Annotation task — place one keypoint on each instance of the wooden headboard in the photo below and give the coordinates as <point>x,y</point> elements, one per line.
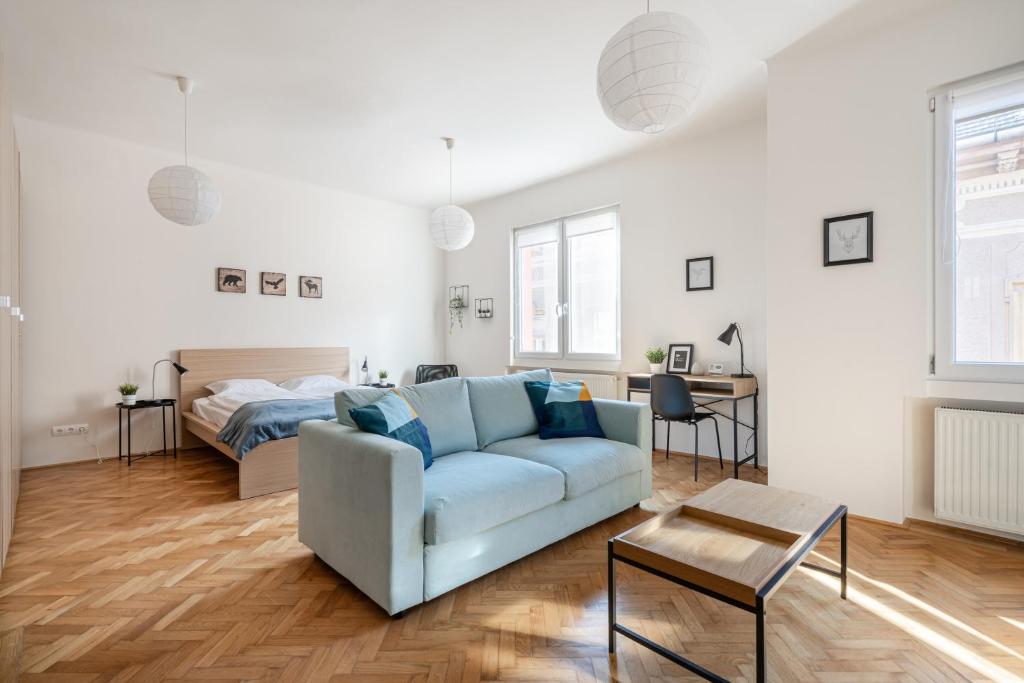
<point>275,365</point>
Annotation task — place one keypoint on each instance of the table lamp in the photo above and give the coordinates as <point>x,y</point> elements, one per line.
<point>726,338</point>
<point>180,368</point>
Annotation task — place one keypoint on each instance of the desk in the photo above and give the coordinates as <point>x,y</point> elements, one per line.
<point>707,390</point>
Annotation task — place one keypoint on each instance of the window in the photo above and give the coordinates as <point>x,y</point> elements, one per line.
<point>566,289</point>
<point>979,220</point>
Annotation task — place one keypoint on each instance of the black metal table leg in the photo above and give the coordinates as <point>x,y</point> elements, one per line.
<point>163,425</point>
<point>755,428</point>
<point>174,431</point>
<point>842,557</point>
<point>120,447</point>
<point>735,442</point>
<point>129,437</point>
<point>761,673</point>
<point>611,599</point>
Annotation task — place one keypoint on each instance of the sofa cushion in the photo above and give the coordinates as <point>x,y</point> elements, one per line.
<point>393,417</point>
<point>586,462</point>
<point>468,492</point>
<point>443,406</point>
<point>563,409</point>
<point>501,408</point>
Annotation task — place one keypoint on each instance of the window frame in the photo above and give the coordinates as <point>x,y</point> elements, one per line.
<point>564,306</point>
<point>943,365</point>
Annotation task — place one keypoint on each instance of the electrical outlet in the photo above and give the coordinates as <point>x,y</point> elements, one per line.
<point>69,430</point>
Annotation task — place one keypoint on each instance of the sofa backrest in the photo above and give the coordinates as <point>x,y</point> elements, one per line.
<point>443,406</point>
<point>501,408</point>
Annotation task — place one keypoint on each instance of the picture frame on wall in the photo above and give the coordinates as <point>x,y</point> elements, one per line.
<point>700,274</point>
<point>680,359</point>
<point>231,280</point>
<point>848,239</point>
<point>274,284</point>
<point>311,286</point>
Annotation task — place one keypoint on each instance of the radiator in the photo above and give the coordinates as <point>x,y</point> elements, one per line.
<point>979,468</point>
<point>600,386</point>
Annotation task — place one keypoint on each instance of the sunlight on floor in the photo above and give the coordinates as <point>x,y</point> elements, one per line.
<point>1013,622</point>
<point>918,630</point>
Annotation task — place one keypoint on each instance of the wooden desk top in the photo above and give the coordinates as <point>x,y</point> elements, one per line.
<point>702,386</point>
<point>737,538</point>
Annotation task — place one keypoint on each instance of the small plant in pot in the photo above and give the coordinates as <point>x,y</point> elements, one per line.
<point>382,375</point>
<point>656,356</point>
<point>128,393</point>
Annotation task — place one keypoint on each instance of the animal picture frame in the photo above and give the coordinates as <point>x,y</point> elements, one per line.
<point>274,284</point>
<point>311,286</point>
<point>231,280</point>
<point>848,239</point>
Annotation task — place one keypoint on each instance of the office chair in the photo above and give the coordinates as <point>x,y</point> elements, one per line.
<point>671,402</point>
<point>432,373</point>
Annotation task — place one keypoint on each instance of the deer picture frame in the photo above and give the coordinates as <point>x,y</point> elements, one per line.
<point>848,239</point>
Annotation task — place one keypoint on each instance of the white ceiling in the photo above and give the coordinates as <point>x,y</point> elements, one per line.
<point>354,95</point>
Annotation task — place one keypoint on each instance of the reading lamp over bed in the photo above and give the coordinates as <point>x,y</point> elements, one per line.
<point>177,366</point>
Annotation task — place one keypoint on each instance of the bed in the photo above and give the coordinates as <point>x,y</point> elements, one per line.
<point>274,465</point>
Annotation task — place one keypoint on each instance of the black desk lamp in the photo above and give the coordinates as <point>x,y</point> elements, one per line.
<point>726,338</point>
<point>180,368</point>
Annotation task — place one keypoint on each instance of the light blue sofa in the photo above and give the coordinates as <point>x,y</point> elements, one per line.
<point>495,493</point>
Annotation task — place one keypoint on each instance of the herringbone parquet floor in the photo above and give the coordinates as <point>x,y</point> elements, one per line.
<point>160,573</point>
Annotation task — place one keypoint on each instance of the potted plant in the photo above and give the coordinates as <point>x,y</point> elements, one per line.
<point>655,356</point>
<point>456,309</point>
<point>382,375</point>
<point>128,393</point>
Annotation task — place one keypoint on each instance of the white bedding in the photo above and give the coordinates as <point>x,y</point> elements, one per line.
<point>220,407</point>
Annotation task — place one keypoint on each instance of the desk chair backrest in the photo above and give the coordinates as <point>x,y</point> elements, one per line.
<point>670,397</point>
<point>432,373</point>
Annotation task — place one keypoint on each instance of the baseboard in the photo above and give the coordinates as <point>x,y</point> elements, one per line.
<point>939,527</point>
<point>725,459</point>
<point>92,459</point>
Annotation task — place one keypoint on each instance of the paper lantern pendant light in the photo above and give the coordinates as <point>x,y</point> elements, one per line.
<point>184,194</point>
<point>652,70</point>
<point>451,226</point>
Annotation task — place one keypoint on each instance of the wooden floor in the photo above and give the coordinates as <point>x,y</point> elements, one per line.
<point>160,573</point>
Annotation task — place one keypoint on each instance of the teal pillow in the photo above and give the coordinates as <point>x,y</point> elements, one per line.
<point>563,409</point>
<point>393,417</point>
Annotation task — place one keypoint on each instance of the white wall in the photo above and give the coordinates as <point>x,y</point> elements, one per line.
<point>110,286</point>
<point>848,130</point>
<point>693,198</point>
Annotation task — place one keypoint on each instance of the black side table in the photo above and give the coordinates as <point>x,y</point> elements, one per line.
<point>163,404</point>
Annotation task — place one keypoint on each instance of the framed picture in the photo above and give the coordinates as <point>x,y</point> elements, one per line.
<point>680,359</point>
<point>231,280</point>
<point>273,283</point>
<point>311,286</point>
<point>848,239</point>
<point>700,273</point>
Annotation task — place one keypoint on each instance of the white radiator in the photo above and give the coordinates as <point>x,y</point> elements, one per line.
<point>600,386</point>
<point>979,468</point>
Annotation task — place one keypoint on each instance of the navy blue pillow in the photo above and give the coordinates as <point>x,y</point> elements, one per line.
<point>393,417</point>
<point>563,409</point>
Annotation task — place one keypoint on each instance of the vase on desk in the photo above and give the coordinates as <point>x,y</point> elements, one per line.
<point>655,368</point>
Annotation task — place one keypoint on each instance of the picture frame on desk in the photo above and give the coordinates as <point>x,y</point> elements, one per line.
<point>680,359</point>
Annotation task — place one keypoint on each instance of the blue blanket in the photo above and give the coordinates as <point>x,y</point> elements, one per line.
<point>261,421</point>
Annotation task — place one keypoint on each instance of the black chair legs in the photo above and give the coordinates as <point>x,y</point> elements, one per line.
<point>718,438</point>
<point>668,437</point>
<point>696,448</point>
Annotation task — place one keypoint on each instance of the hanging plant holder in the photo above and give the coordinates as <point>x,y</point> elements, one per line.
<point>458,302</point>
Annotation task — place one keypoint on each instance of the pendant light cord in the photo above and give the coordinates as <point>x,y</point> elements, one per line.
<point>451,162</point>
<point>186,129</point>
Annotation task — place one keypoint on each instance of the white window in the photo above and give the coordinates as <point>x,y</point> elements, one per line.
<point>566,287</point>
<point>979,221</point>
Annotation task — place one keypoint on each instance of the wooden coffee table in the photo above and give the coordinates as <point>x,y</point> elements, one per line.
<point>736,542</point>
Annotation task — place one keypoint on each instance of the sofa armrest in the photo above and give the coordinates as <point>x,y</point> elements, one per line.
<point>629,423</point>
<point>361,510</point>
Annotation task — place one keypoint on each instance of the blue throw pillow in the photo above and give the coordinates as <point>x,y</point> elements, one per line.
<point>563,409</point>
<point>393,417</point>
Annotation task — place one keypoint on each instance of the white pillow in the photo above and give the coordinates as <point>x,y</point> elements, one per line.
<point>244,385</point>
<point>314,384</point>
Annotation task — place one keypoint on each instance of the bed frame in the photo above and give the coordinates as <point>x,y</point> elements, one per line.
<point>272,466</point>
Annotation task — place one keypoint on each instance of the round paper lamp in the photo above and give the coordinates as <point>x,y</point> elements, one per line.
<point>184,195</point>
<point>451,227</point>
<point>652,70</point>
